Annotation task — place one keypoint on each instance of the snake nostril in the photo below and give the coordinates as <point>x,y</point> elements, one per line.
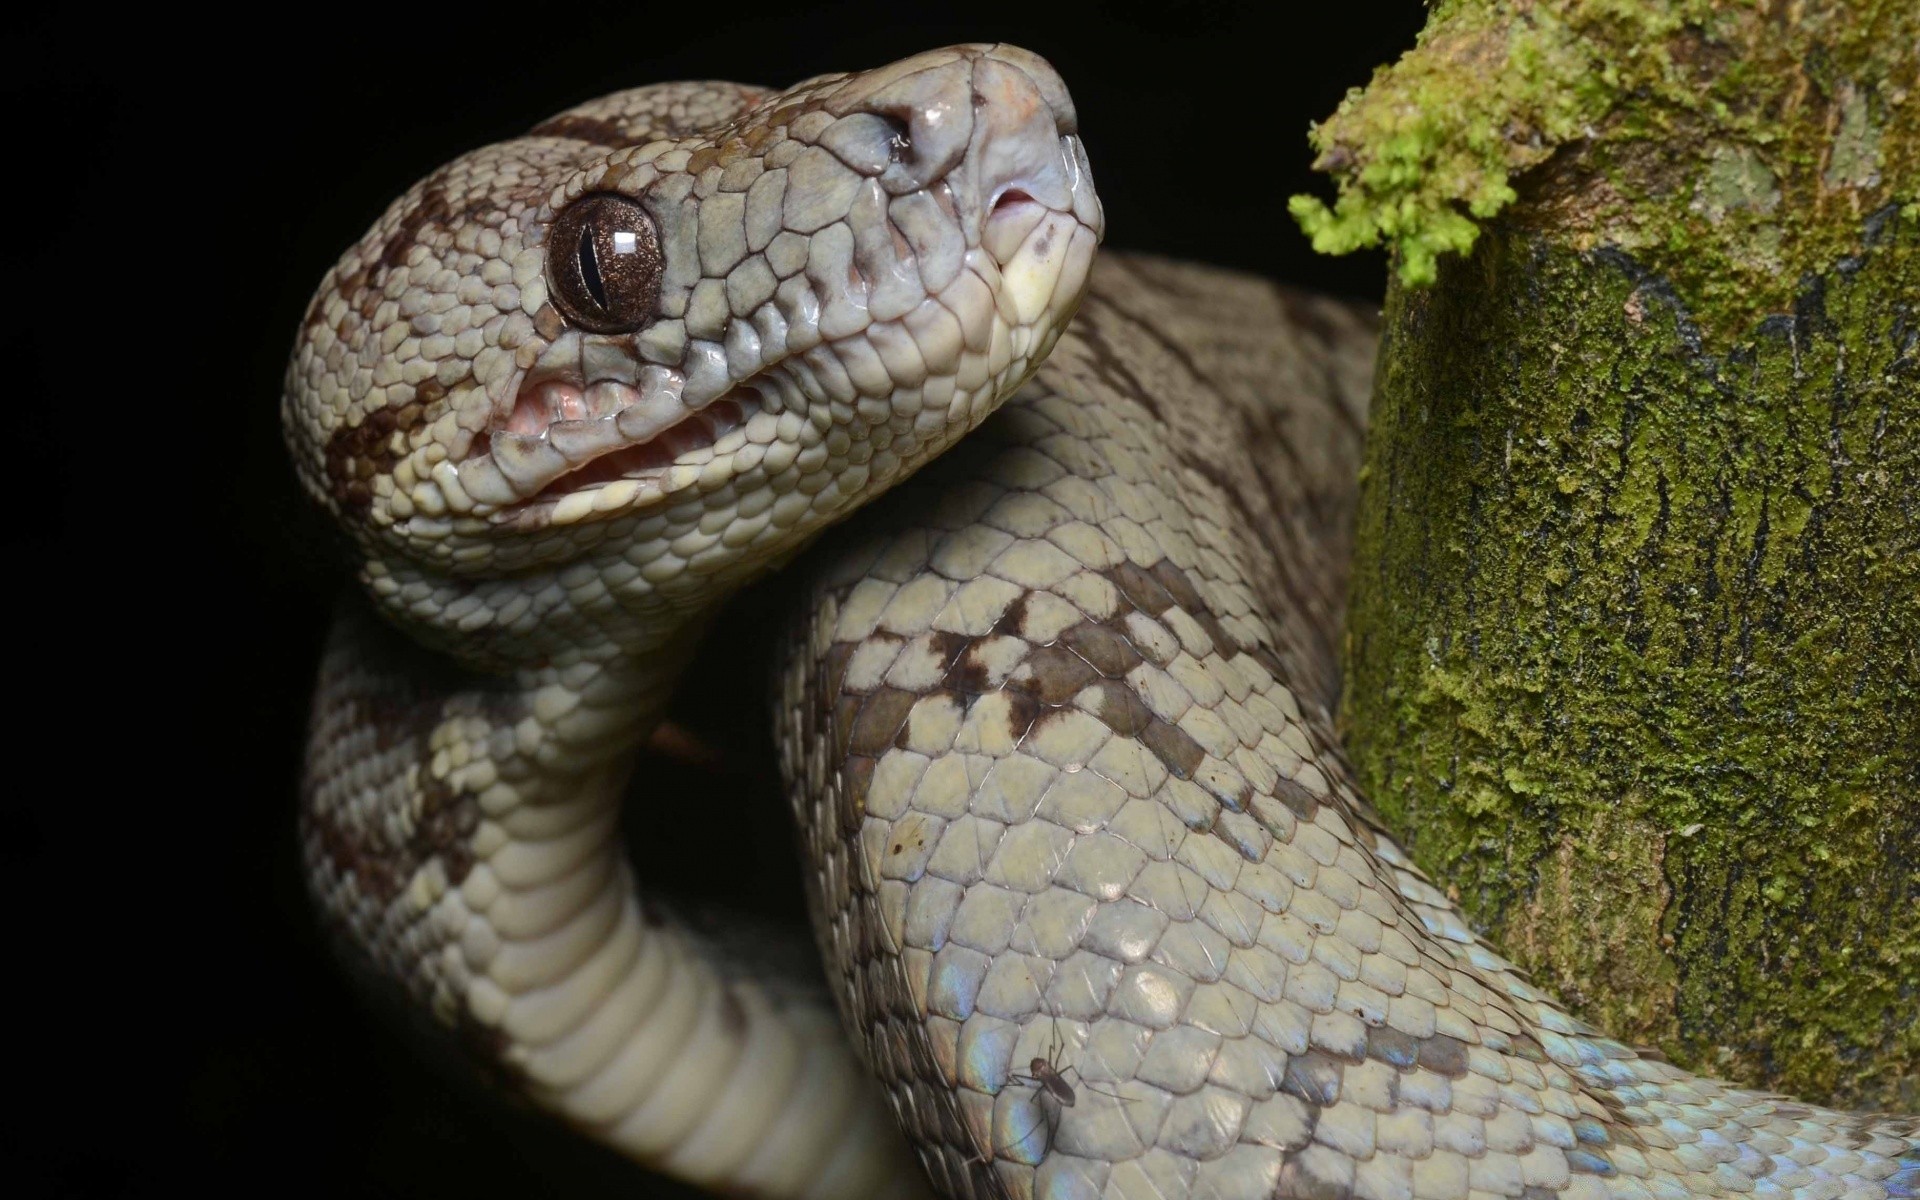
<point>900,139</point>
<point>1011,197</point>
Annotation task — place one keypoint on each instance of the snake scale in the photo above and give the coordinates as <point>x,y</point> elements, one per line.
<point>1098,898</point>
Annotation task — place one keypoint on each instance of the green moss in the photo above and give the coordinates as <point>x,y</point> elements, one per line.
<point>1634,652</point>
<point>1491,90</point>
<point>1682,130</point>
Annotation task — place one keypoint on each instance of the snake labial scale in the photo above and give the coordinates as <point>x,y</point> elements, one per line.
<point>1054,718</point>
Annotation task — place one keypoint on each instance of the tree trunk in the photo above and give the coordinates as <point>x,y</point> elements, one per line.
<point>1633,657</point>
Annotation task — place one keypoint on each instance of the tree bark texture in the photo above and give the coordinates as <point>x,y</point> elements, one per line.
<point>1633,658</point>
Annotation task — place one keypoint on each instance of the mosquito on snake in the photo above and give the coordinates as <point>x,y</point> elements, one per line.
<point>1049,1079</point>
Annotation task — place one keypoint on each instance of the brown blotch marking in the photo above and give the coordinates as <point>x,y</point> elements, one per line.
<point>433,208</point>
<point>880,720</point>
<point>833,668</point>
<point>846,710</point>
<point>548,322</point>
<point>396,714</point>
<point>352,854</point>
<point>370,300</point>
<point>1173,746</point>
<point>1023,712</point>
<point>1109,653</point>
<point>1302,802</point>
<point>1444,1055</point>
<point>615,176</point>
<point>425,405</point>
<point>1392,1047</point>
<point>349,286</point>
<point>967,674</point>
<point>380,866</point>
<point>1122,710</point>
<point>1185,593</point>
<point>1619,1128</point>
<point>401,706</point>
<point>1010,620</point>
<point>1140,588</point>
<point>1045,717</point>
<point>430,209</point>
<point>356,454</point>
<point>947,646</point>
<point>1223,643</point>
<point>598,130</point>
<point>1180,586</point>
<point>855,778</point>
<point>1528,1048</point>
<point>444,829</point>
<point>1053,675</point>
<point>1298,1183</point>
<point>1313,1077</point>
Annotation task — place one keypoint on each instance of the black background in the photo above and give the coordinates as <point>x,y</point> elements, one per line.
<point>177,191</point>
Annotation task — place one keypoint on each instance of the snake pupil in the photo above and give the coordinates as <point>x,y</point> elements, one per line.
<point>590,269</point>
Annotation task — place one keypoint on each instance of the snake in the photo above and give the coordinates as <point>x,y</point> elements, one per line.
<point>1101,909</point>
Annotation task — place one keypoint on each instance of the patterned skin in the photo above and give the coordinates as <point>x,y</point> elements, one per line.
<point>568,394</point>
<point>1057,728</point>
<point>1057,736</point>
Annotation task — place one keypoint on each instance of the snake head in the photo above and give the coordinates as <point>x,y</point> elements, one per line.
<point>680,329</point>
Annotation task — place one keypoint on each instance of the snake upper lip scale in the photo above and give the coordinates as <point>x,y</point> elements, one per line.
<point>1053,720</point>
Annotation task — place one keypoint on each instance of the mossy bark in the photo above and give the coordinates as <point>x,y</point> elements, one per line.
<point>1634,646</point>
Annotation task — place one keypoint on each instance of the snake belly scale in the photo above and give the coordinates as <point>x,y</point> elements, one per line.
<point>1054,718</point>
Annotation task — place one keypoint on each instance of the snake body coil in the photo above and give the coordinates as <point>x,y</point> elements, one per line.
<point>1054,722</point>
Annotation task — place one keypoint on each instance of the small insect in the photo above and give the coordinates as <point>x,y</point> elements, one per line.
<point>1050,1078</point>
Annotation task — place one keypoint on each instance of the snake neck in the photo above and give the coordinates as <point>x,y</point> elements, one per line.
<point>465,763</point>
<point>464,828</point>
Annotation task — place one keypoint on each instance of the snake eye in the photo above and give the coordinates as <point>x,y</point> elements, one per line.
<point>603,264</point>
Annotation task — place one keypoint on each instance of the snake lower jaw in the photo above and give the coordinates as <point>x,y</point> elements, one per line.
<point>690,443</point>
<point>570,450</point>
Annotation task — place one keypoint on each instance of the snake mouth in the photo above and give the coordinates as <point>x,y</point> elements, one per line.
<point>680,441</point>
<point>610,430</point>
<point>568,447</point>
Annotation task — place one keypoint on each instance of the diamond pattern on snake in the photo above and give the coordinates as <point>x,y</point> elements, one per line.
<point>1053,715</point>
